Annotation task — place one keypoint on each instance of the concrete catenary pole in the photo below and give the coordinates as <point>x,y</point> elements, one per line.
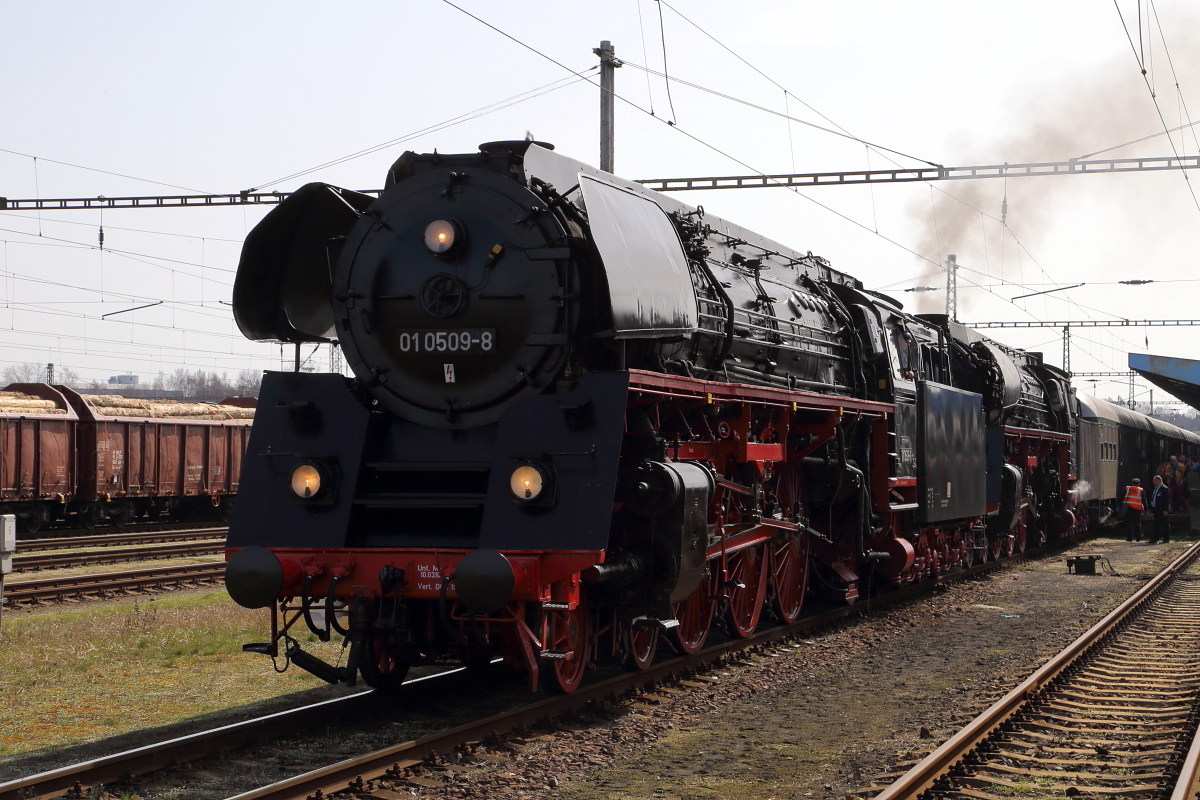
<point>608,68</point>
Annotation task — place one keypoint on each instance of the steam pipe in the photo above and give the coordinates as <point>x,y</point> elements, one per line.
<point>306,608</point>
<point>863,510</point>
<point>622,572</point>
<point>330,614</point>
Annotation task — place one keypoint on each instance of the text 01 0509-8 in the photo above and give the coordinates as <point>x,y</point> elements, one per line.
<point>466,340</point>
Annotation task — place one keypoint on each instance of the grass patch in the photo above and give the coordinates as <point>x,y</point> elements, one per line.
<point>84,673</point>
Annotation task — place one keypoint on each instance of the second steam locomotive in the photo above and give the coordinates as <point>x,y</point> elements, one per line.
<point>586,419</point>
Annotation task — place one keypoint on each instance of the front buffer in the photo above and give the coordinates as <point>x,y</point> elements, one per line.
<point>424,545</point>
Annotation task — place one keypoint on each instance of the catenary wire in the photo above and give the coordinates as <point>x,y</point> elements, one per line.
<point>840,127</point>
<point>109,227</point>
<point>764,109</point>
<point>522,97</point>
<point>103,171</point>
<point>695,138</point>
<point>1154,99</point>
<point>84,245</point>
<point>662,31</point>
<point>1171,63</point>
<point>718,150</point>
<point>1192,125</point>
<point>848,135</point>
<point>645,56</point>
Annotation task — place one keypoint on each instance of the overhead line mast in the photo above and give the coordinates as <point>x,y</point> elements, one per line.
<point>1088,323</point>
<point>1071,167</point>
<point>608,68</point>
<point>1066,326</point>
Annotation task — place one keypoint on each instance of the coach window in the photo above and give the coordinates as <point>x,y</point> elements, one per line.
<point>905,361</point>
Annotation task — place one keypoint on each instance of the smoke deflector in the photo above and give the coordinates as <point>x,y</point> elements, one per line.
<point>283,284</point>
<point>649,281</point>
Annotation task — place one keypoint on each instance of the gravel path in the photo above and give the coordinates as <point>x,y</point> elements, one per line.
<point>848,706</point>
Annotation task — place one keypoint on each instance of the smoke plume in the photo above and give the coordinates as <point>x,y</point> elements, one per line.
<point>1074,116</point>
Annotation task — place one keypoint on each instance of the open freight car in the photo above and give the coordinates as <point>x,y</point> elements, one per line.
<point>111,458</point>
<point>37,452</point>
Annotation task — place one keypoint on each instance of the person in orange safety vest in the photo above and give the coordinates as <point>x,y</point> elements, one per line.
<point>1134,503</point>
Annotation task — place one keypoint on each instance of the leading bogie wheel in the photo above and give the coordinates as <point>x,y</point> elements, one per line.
<point>566,632</point>
<point>381,665</point>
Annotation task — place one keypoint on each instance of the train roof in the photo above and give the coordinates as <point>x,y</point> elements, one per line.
<point>1095,408</point>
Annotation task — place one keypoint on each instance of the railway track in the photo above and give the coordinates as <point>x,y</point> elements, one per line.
<point>404,760</point>
<point>114,539</point>
<point>132,528</point>
<point>55,560</point>
<point>1113,715</point>
<point>43,590</point>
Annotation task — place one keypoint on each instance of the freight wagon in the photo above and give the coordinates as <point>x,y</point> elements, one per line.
<point>81,459</point>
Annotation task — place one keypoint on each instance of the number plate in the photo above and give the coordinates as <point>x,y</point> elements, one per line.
<point>464,340</point>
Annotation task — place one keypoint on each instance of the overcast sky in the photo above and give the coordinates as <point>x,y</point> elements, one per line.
<point>221,97</point>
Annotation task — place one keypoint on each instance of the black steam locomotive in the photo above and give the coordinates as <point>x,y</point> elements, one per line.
<point>586,418</point>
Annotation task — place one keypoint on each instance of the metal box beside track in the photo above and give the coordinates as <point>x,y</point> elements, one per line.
<point>950,470</point>
<point>8,543</point>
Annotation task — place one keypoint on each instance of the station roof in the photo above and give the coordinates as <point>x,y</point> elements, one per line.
<point>1178,376</point>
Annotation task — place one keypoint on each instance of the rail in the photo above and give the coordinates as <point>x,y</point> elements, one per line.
<point>55,560</point>
<point>140,535</point>
<point>41,590</point>
<point>938,764</point>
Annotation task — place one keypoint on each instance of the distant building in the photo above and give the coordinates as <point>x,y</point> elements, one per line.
<point>123,380</point>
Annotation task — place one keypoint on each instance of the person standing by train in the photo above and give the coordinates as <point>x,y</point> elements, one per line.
<point>1171,473</point>
<point>1134,494</point>
<point>1160,503</point>
<point>1176,477</point>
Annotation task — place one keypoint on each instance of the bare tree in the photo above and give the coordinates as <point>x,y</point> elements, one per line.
<point>28,372</point>
<point>248,381</point>
<point>202,385</point>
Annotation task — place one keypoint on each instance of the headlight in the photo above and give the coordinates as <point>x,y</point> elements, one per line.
<point>306,481</point>
<point>443,236</point>
<point>528,482</point>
